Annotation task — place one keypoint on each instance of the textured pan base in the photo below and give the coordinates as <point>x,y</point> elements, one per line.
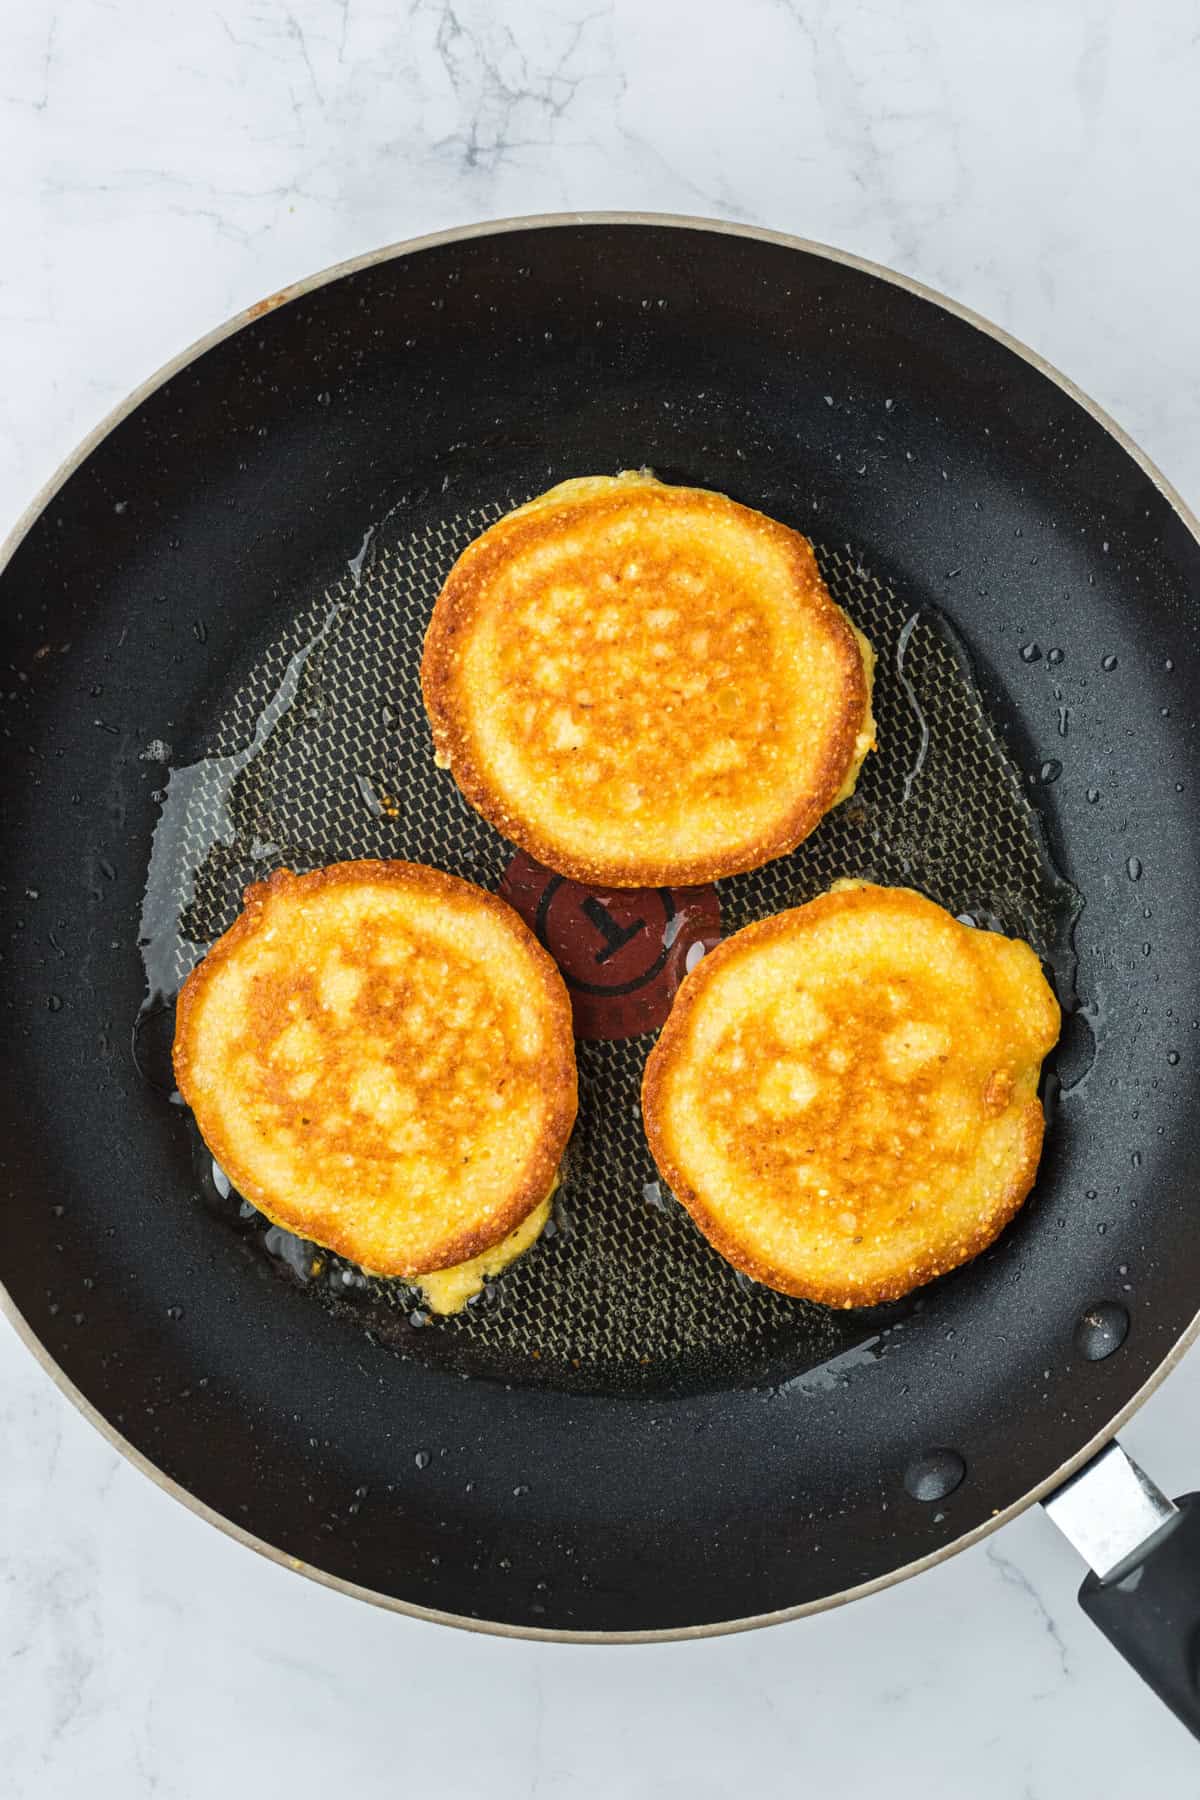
<point>622,1289</point>
<point>380,1058</point>
<point>643,684</point>
<point>845,1095</point>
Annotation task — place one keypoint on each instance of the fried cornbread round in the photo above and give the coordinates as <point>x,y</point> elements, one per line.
<point>380,1058</point>
<point>646,685</point>
<point>844,1096</point>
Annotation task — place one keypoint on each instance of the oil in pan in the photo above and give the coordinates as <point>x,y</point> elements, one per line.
<point>320,752</point>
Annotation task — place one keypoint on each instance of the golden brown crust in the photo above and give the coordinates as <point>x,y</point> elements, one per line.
<point>342,983</point>
<point>990,1004</point>
<point>916,1273</point>
<point>663,740</point>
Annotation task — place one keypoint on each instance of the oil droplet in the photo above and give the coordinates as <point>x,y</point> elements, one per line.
<point>198,815</point>
<point>1168,664</point>
<point>220,1181</point>
<point>1054,656</point>
<point>1108,663</point>
<point>1093,795</point>
<point>422,1459</point>
<point>902,643</point>
<point>1135,1161</point>
<point>1031,653</point>
<point>694,955</point>
<point>54,1002</point>
<point>368,796</point>
<point>1091,1194</point>
<point>358,561</point>
<point>1050,770</point>
<point>1173,1057</point>
<point>295,1253</point>
<point>653,1195</point>
<point>1101,1330</point>
<point>1133,868</point>
<point>1064,720</point>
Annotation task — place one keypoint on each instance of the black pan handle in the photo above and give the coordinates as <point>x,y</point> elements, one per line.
<point>1144,1589</point>
<point>1152,1614</point>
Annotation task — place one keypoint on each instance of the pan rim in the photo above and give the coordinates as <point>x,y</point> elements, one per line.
<point>123,410</point>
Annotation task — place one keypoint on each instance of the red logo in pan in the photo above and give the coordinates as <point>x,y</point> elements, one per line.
<point>622,951</point>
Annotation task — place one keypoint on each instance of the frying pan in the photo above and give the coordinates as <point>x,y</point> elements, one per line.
<point>239,562</point>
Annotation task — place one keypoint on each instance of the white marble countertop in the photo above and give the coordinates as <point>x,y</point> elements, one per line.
<point>161,167</point>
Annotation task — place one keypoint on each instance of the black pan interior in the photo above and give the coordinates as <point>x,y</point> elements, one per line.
<point>320,751</point>
<point>217,519</point>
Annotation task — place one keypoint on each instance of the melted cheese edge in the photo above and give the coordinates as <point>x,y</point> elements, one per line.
<point>866,740</point>
<point>448,1290</point>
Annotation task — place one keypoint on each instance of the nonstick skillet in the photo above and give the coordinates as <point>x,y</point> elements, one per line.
<point>211,623</point>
